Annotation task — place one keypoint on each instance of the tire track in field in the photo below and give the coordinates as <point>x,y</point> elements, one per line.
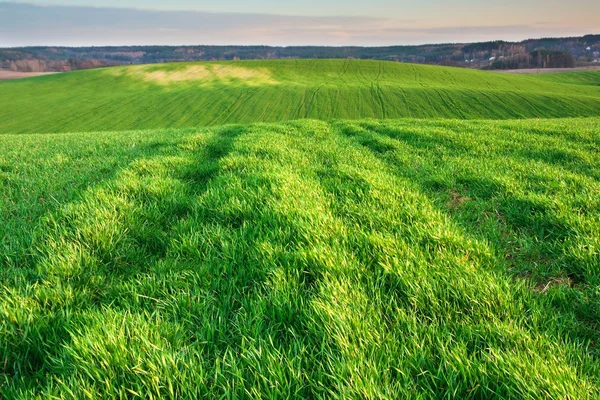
<point>448,103</point>
<point>105,109</point>
<point>418,77</point>
<point>235,105</point>
<point>305,94</point>
<point>402,95</point>
<point>494,100</point>
<point>334,102</point>
<point>170,108</point>
<point>307,105</point>
<point>165,109</point>
<point>377,92</point>
<point>65,119</point>
<point>374,91</point>
<point>532,105</point>
<point>428,105</point>
<point>269,111</point>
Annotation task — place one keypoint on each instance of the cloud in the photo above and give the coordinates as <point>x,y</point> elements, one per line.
<point>26,25</point>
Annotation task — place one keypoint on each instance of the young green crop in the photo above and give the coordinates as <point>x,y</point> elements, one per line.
<point>367,259</point>
<point>207,94</point>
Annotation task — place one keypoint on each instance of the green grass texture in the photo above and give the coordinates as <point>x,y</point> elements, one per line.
<point>306,259</point>
<point>183,95</point>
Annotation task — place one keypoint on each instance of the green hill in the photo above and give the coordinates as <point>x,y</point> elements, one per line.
<point>205,94</point>
<point>348,259</point>
<point>156,253</point>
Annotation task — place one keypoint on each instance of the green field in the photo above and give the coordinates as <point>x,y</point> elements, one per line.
<point>345,258</point>
<point>208,94</point>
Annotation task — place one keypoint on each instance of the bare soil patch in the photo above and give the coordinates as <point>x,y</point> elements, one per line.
<point>457,200</point>
<point>7,75</point>
<point>546,70</point>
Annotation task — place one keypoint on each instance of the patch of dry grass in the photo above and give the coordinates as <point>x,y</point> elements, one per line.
<point>198,72</point>
<point>203,74</point>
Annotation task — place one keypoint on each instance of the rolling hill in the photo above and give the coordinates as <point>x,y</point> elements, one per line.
<point>146,251</point>
<point>209,94</point>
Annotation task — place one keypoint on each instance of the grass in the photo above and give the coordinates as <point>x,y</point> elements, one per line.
<point>209,94</point>
<point>348,259</point>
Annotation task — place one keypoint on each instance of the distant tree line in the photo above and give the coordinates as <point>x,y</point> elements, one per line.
<point>552,59</point>
<point>536,59</point>
<point>532,53</point>
<point>41,65</point>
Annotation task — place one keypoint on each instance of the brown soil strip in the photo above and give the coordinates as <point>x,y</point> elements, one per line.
<point>6,75</point>
<point>546,70</point>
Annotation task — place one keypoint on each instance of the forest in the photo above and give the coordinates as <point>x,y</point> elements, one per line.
<point>532,53</point>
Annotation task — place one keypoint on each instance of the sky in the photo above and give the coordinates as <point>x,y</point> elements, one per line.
<point>288,22</point>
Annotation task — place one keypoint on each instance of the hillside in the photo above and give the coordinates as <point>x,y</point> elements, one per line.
<point>345,259</point>
<point>207,94</point>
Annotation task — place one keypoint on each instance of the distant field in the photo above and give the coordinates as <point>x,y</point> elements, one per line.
<point>348,259</point>
<point>206,94</point>
<point>547,70</point>
<point>8,75</point>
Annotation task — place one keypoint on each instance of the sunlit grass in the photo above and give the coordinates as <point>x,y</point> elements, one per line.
<point>181,95</point>
<point>368,259</point>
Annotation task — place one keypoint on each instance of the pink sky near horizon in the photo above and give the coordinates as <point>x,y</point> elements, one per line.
<point>23,24</point>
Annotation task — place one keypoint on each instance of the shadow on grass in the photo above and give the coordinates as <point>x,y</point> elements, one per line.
<point>80,258</point>
<point>33,197</point>
<point>528,238</point>
<point>178,238</point>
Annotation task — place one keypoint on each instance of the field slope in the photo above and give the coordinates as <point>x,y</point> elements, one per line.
<point>366,259</point>
<point>208,94</point>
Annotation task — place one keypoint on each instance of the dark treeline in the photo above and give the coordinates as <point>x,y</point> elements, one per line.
<point>536,59</point>
<point>532,53</point>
